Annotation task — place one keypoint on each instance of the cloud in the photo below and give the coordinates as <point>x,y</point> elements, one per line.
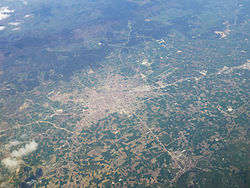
<point>4,16</point>
<point>2,28</point>
<point>27,15</point>
<point>14,160</point>
<point>16,29</point>
<point>14,143</point>
<point>14,23</point>
<point>11,163</point>
<point>28,148</point>
<point>5,12</point>
<point>25,2</point>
